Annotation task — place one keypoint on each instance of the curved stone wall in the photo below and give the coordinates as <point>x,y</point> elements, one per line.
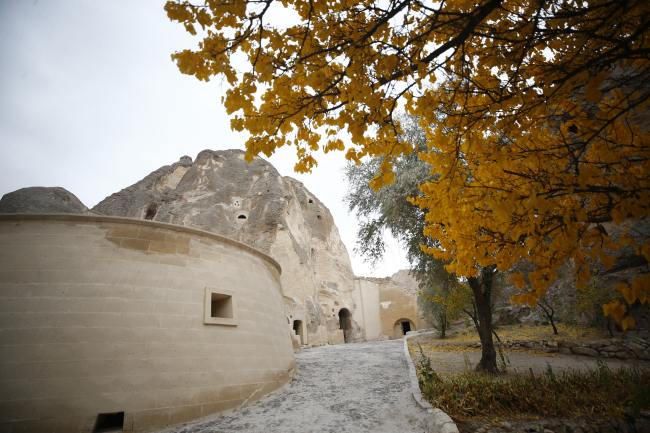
<point>106,315</point>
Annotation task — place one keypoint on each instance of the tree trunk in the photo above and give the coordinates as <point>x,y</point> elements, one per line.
<point>482,293</point>
<point>549,315</point>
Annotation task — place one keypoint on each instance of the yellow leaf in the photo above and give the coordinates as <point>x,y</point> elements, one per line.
<point>614,309</point>
<point>628,321</point>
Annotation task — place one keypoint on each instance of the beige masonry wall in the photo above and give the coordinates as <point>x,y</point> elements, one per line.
<point>366,294</point>
<point>396,304</point>
<point>104,315</point>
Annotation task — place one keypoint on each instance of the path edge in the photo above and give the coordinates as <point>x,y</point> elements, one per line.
<point>440,417</point>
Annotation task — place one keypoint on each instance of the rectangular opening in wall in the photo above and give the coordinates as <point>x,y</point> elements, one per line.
<point>109,422</point>
<point>221,306</point>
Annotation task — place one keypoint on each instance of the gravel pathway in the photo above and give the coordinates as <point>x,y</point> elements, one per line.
<point>360,387</point>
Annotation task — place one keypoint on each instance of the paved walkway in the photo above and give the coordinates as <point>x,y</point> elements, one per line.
<point>360,387</point>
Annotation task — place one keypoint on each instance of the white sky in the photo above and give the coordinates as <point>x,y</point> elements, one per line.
<point>90,101</point>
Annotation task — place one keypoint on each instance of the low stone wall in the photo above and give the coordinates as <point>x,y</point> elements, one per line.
<point>154,323</point>
<point>609,348</point>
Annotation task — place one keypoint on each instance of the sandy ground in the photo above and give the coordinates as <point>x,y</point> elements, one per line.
<point>361,387</point>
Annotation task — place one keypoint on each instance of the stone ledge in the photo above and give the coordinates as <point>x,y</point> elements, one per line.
<point>17,217</point>
<point>440,418</point>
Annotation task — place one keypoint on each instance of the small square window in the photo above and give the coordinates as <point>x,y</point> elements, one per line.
<point>220,307</point>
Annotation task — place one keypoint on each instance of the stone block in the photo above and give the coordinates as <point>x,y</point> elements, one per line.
<point>564,350</point>
<point>622,426</point>
<point>622,355</point>
<point>568,344</point>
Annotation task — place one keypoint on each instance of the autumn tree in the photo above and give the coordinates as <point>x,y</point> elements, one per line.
<point>541,139</point>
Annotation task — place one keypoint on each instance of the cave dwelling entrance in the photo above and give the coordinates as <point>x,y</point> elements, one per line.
<point>345,323</point>
<point>402,326</point>
<point>299,329</point>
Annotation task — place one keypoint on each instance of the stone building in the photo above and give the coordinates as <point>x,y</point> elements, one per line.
<point>133,323</point>
<point>177,298</point>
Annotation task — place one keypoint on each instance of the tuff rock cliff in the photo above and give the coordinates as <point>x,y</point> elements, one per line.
<point>252,203</point>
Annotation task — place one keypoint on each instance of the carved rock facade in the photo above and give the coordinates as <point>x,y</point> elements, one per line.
<point>252,203</point>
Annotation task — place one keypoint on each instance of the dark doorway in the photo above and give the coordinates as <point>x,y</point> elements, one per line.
<point>298,328</point>
<point>151,211</point>
<point>406,327</point>
<point>345,323</point>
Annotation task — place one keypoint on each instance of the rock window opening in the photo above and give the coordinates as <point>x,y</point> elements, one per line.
<point>318,216</point>
<point>151,211</point>
<point>345,323</point>
<point>221,306</point>
<point>298,328</point>
<point>109,422</point>
<point>311,201</point>
<point>241,217</point>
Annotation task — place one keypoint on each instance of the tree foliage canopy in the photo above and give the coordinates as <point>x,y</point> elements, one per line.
<point>533,127</point>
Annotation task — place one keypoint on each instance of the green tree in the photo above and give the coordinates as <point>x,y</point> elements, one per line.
<point>390,209</point>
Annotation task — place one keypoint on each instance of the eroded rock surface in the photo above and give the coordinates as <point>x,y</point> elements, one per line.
<point>39,199</point>
<point>252,203</point>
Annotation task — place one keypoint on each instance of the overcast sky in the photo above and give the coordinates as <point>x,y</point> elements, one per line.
<point>90,101</point>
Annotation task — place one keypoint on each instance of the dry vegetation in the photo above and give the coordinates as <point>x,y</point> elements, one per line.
<point>466,395</point>
<point>570,393</point>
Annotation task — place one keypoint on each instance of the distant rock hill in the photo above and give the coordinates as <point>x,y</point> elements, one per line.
<point>40,199</point>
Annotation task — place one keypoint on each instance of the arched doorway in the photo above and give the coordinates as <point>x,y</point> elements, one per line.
<point>299,330</point>
<point>402,326</point>
<point>345,323</point>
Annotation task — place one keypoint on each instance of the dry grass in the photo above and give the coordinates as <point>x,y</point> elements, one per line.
<point>572,393</point>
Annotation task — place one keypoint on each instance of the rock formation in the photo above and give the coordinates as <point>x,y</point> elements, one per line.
<point>252,203</point>
<point>40,199</point>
